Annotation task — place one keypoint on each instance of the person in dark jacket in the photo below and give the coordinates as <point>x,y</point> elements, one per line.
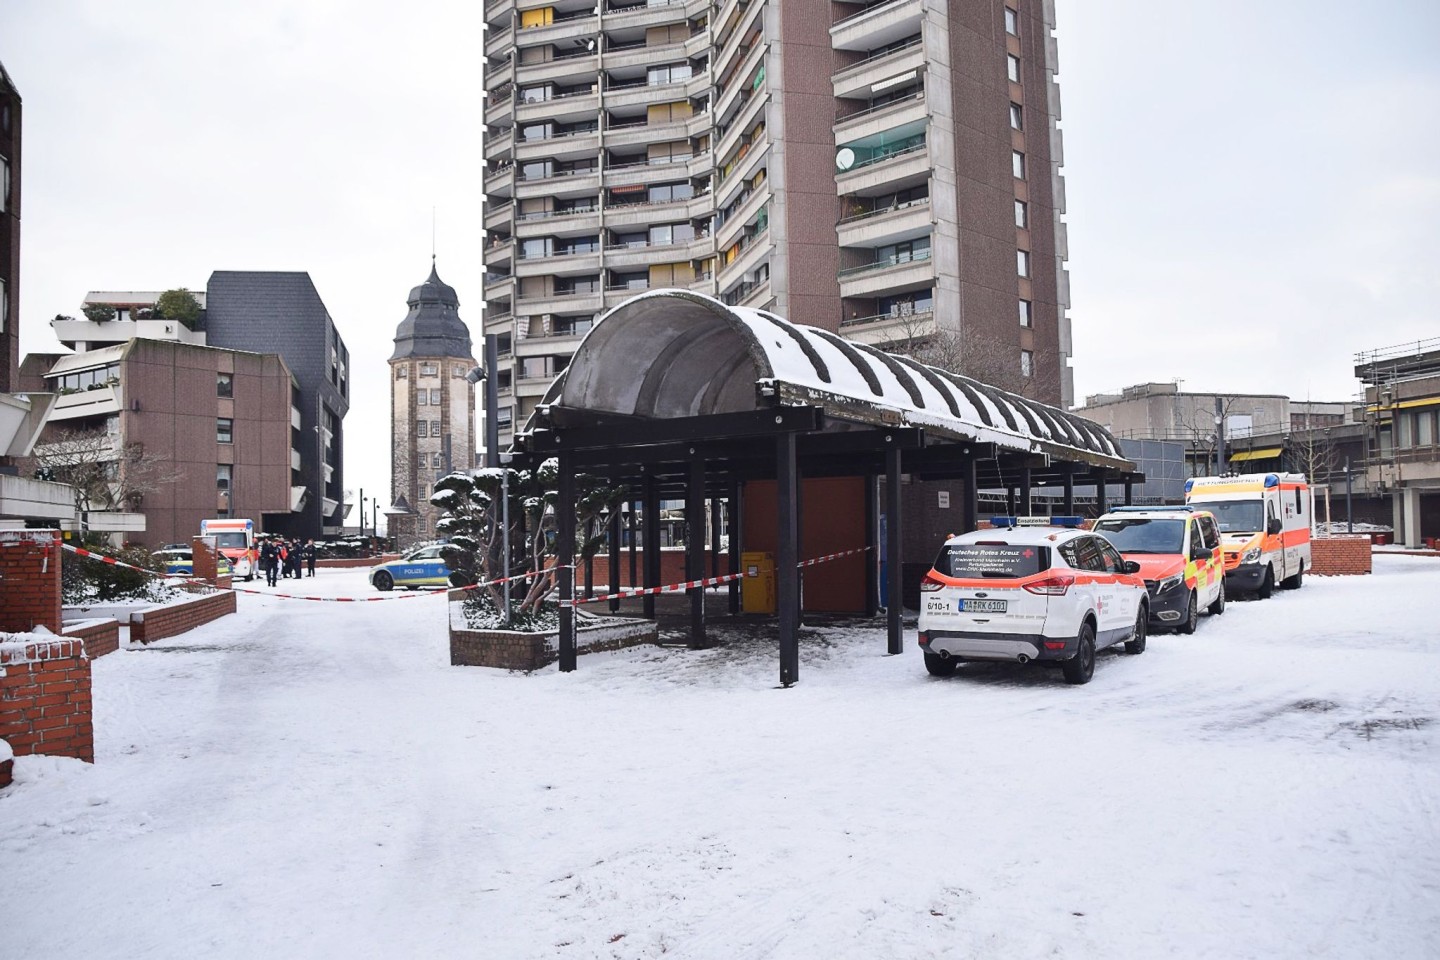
<point>294,558</point>
<point>270,561</point>
<point>309,554</point>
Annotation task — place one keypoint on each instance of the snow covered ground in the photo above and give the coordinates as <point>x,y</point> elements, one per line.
<point>314,780</point>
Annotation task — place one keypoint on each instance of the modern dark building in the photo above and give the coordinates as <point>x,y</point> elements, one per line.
<point>432,404</point>
<point>887,169</point>
<point>281,312</point>
<point>9,232</point>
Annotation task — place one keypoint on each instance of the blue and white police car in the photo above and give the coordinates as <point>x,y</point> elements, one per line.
<point>423,567</point>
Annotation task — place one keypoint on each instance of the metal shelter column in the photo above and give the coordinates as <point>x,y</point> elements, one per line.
<point>565,560</point>
<point>589,559</point>
<point>733,518</point>
<point>650,529</point>
<point>872,544</point>
<point>695,549</point>
<point>633,516</point>
<point>614,556</point>
<point>786,573</point>
<point>1129,491</point>
<point>1101,504</point>
<point>970,518</point>
<point>1069,490</point>
<point>714,537</point>
<point>1027,501</point>
<point>894,625</point>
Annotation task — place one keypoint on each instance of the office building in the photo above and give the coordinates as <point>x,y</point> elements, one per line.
<point>432,404</point>
<point>888,170</point>
<point>1402,419</point>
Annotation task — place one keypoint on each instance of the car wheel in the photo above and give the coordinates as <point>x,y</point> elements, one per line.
<point>383,581</point>
<point>1218,607</point>
<point>1192,615</point>
<point>1295,582</point>
<point>1081,667</point>
<point>1267,586</point>
<point>940,666</point>
<point>1136,643</point>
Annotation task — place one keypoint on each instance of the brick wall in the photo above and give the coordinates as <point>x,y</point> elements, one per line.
<point>672,568</point>
<point>45,703</point>
<point>29,580</point>
<point>510,650</point>
<point>1340,556</point>
<point>157,623</point>
<point>100,636</point>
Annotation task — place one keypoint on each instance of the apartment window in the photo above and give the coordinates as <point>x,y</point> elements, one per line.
<point>224,385</point>
<point>1026,318</point>
<point>402,372</point>
<point>458,370</point>
<point>422,428</point>
<point>224,430</point>
<point>1016,117</point>
<point>435,428</point>
<point>421,398</point>
<point>1012,22</point>
<point>1022,214</point>
<point>224,474</point>
<point>1022,262</point>
<point>670,73</point>
<point>435,397</point>
<point>429,370</point>
<point>504,417</point>
<point>1027,363</point>
<point>424,491</point>
<point>1012,67</point>
<point>1017,164</point>
<point>436,461</point>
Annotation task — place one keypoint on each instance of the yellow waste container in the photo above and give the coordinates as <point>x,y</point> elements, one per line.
<point>757,590</point>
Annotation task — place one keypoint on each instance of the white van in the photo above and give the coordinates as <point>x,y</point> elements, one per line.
<point>1266,522</point>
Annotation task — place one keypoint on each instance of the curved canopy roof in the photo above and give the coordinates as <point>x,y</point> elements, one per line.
<point>672,354</point>
<point>433,327</point>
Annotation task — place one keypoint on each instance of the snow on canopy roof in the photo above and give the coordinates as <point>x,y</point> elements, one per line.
<point>672,353</point>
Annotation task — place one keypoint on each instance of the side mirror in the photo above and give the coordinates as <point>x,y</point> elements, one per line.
<point>1131,566</point>
<point>1204,553</point>
<point>1273,526</point>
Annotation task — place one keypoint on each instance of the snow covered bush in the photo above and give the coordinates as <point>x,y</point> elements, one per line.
<point>83,580</point>
<point>473,524</point>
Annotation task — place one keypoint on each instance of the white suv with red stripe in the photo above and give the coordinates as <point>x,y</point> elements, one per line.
<point>1053,595</point>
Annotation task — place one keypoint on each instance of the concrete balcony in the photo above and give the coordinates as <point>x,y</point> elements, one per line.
<point>877,120</point>
<point>583,105</point>
<point>94,402</point>
<point>500,110</point>
<point>295,420</point>
<point>734,225</point>
<point>858,79</point>
<point>614,296</point>
<point>557,33</point>
<point>499,41</point>
<point>652,14</point>
<point>665,211</point>
<point>573,264</point>
<point>501,183</point>
<point>549,344</point>
<point>631,174</point>
<point>500,146</point>
<point>744,22</point>
<point>890,328</point>
<point>500,254</point>
<point>645,94</point>
<point>25,499</point>
<point>878,26</point>
<point>500,290</point>
<point>644,56</point>
<point>533,385</point>
<point>559,303</point>
<point>497,77</point>
<point>909,166</point>
<point>759,297</point>
<point>872,279</point>
<point>751,257</point>
<point>72,332</point>
<point>646,255</point>
<point>742,126</point>
<point>495,9</point>
<point>294,459</point>
<point>743,172</point>
<point>566,146</point>
<point>498,215</point>
<point>571,69</point>
<point>634,133</point>
<point>583,183</point>
<point>890,225</point>
<point>740,85</point>
<point>564,223</point>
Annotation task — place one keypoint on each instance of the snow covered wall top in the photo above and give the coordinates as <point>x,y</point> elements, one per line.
<point>672,353</point>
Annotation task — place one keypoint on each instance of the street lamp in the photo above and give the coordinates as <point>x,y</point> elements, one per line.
<point>505,459</point>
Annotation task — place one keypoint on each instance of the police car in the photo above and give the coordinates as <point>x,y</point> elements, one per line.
<point>180,562</point>
<point>418,568</point>
<point>1178,549</point>
<point>1022,592</point>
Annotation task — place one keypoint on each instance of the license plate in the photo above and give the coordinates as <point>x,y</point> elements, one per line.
<point>982,606</point>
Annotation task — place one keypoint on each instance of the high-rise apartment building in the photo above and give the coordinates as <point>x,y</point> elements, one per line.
<point>888,170</point>
<point>9,233</point>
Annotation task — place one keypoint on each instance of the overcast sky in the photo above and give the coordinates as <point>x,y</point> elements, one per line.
<point>1254,190</point>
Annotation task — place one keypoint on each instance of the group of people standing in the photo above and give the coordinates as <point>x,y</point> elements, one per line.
<point>283,558</point>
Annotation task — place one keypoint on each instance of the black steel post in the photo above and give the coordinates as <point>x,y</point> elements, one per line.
<point>1069,490</point>
<point>589,560</point>
<point>971,518</point>
<point>732,519</point>
<point>695,550</point>
<point>872,543</point>
<point>614,556</point>
<point>787,574</point>
<point>565,559</point>
<point>1010,501</point>
<point>1349,504</point>
<point>894,625</point>
<point>1027,501</point>
<point>633,517</point>
<point>1102,504</point>
<point>650,530</point>
<point>714,537</point>
<point>1129,492</point>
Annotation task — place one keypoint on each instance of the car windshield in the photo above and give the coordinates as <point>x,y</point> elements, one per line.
<point>1235,516</point>
<point>230,541</point>
<point>425,553</point>
<point>1138,535</point>
<point>991,560</point>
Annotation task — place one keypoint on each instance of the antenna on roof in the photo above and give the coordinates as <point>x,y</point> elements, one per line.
<point>432,235</point>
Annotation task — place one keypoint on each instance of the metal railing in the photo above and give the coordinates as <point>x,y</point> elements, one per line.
<point>899,260</point>
<point>1397,351</point>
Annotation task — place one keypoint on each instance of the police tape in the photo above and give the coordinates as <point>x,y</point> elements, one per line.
<point>688,585</point>
<point>81,551</point>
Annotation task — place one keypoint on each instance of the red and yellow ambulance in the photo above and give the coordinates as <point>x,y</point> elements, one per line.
<point>1266,521</point>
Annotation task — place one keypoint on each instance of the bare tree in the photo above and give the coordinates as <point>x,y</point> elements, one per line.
<point>105,473</point>
<point>989,359</point>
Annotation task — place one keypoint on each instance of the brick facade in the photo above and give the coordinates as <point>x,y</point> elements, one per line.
<point>157,623</point>
<point>1340,556</point>
<point>29,580</point>
<point>45,705</point>
<point>100,636</point>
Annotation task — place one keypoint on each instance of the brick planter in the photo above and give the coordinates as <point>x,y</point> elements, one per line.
<point>1340,556</point>
<point>45,705</point>
<point>157,623</point>
<point>512,650</point>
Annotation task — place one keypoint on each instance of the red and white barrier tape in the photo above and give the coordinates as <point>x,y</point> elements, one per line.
<point>81,551</point>
<point>670,588</point>
<point>831,556</point>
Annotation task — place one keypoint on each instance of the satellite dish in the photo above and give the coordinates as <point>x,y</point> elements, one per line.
<point>845,159</point>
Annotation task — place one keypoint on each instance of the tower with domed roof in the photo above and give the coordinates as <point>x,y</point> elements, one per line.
<point>432,404</point>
